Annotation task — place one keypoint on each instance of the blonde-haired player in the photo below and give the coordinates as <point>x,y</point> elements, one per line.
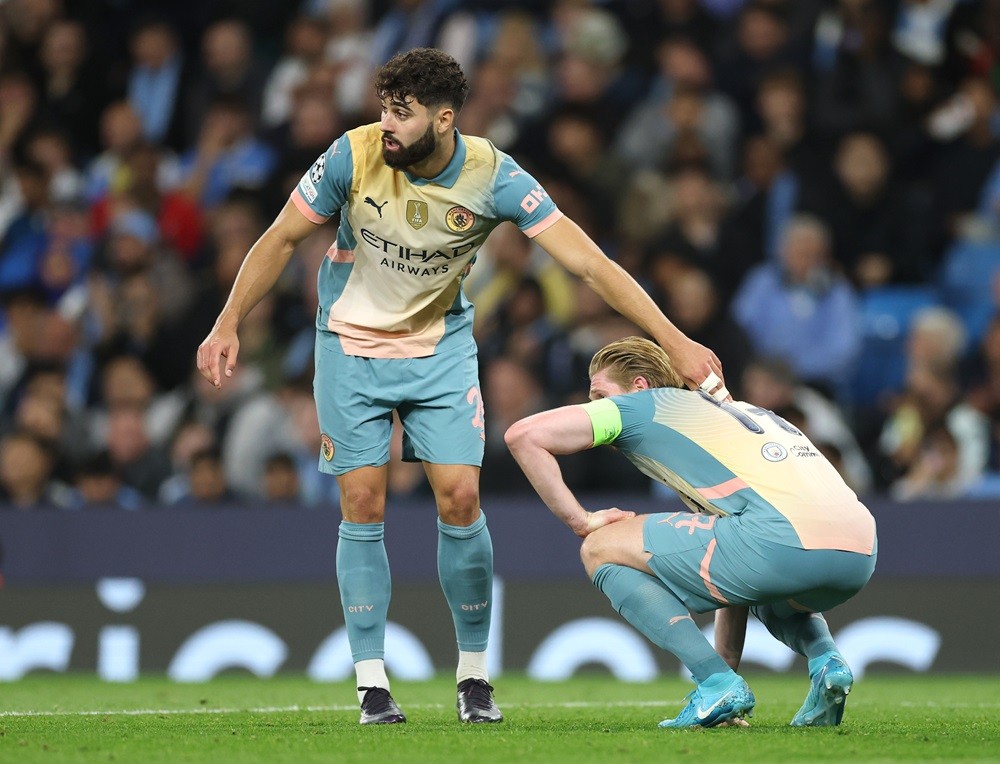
<point>772,527</point>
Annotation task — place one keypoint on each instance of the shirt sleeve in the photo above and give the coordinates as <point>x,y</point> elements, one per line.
<point>605,419</point>
<point>521,199</point>
<point>325,186</point>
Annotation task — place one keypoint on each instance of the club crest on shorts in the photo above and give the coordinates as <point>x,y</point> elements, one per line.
<point>459,219</point>
<point>773,452</point>
<point>416,213</point>
<point>326,446</point>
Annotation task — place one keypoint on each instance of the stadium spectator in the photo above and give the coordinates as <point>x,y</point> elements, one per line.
<point>189,437</point>
<point>880,233</point>
<point>142,465</point>
<point>71,93</point>
<point>305,46</point>
<point>147,179</point>
<point>158,83</point>
<point>227,155</point>
<point>802,310</point>
<point>653,128</point>
<point>763,44</point>
<point>97,485</point>
<point>968,153</point>
<point>208,480</point>
<point>693,235</point>
<point>858,92</point>
<point>912,446</point>
<point>281,480</point>
<point>766,194</point>
<point>26,474</point>
<point>50,147</point>
<point>229,73</point>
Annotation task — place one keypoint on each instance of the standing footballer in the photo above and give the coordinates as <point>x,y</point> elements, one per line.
<point>416,200</point>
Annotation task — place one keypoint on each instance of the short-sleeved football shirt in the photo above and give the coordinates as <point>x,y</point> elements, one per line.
<point>391,286</point>
<point>739,460</point>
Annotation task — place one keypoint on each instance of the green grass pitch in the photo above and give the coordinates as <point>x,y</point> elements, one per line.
<point>593,718</point>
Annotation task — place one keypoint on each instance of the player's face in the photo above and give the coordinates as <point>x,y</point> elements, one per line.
<point>601,386</point>
<point>407,133</point>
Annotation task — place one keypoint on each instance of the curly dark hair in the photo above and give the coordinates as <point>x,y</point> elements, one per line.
<point>429,75</point>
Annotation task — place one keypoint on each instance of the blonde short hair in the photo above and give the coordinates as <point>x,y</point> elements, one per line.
<point>632,357</point>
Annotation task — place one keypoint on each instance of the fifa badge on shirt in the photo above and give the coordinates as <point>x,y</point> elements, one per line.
<point>416,213</point>
<point>459,219</point>
<point>326,446</point>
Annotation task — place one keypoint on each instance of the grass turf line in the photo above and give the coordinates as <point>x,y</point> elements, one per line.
<point>591,718</point>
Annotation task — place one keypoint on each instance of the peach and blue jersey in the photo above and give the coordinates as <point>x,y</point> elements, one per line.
<point>772,519</point>
<point>391,286</point>
<point>735,459</point>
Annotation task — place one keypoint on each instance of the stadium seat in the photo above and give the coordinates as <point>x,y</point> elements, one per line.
<point>886,315</point>
<point>967,282</point>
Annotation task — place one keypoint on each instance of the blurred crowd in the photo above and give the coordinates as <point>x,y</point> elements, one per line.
<point>809,187</point>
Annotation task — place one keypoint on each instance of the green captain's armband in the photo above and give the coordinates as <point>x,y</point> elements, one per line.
<point>605,419</point>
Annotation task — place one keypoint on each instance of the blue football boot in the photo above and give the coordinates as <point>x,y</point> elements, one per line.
<point>720,698</point>
<point>831,680</point>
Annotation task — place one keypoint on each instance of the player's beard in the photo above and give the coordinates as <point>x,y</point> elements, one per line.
<point>407,156</point>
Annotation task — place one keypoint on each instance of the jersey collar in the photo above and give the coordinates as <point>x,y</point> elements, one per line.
<point>449,175</point>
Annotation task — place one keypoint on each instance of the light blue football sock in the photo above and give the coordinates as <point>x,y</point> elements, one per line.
<point>654,610</point>
<point>365,587</point>
<point>465,567</point>
<point>806,633</point>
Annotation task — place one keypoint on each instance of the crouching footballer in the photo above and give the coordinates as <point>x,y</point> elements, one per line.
<point>772,527</point>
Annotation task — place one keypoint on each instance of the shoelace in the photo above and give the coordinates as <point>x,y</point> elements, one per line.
<point>375,702</point>
<point>480,694</point>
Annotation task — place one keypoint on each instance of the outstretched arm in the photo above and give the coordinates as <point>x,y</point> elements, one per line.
<point>261,268</point>
<point>536,441</point>
<point>567,243</point>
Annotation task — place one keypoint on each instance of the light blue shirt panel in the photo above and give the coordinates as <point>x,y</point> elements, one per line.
<point>519,197</point>
<point>644,437</point>
<point>327,184</point>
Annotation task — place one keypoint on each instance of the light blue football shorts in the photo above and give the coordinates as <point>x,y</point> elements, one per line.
<point>437,398</point>
<point>708,564</point>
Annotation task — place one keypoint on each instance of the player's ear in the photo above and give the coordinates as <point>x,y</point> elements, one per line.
<point>444,120</point>
<point>640,383</point>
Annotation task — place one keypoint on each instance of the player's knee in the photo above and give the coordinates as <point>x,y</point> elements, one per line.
<point>362,504</point>
<point>458,504</point>
<point>593,553</point>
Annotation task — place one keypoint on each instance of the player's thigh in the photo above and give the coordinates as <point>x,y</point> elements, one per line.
<point>355,398</point>
<point>683,548</point>
<point>814,580</point>
<point>751,569</point>
<point>442,409</point>
<point>619,543</point>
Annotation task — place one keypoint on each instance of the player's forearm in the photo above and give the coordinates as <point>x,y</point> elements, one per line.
<point>730,634</point>
<point>625,295</point>
<point>542,470</point>
<point>261,268</point>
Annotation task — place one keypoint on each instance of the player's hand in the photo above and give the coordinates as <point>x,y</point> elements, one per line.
<point>700,368</point>
<point>221,344</point>
<point>603,517</point>
<point>739,721</point>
